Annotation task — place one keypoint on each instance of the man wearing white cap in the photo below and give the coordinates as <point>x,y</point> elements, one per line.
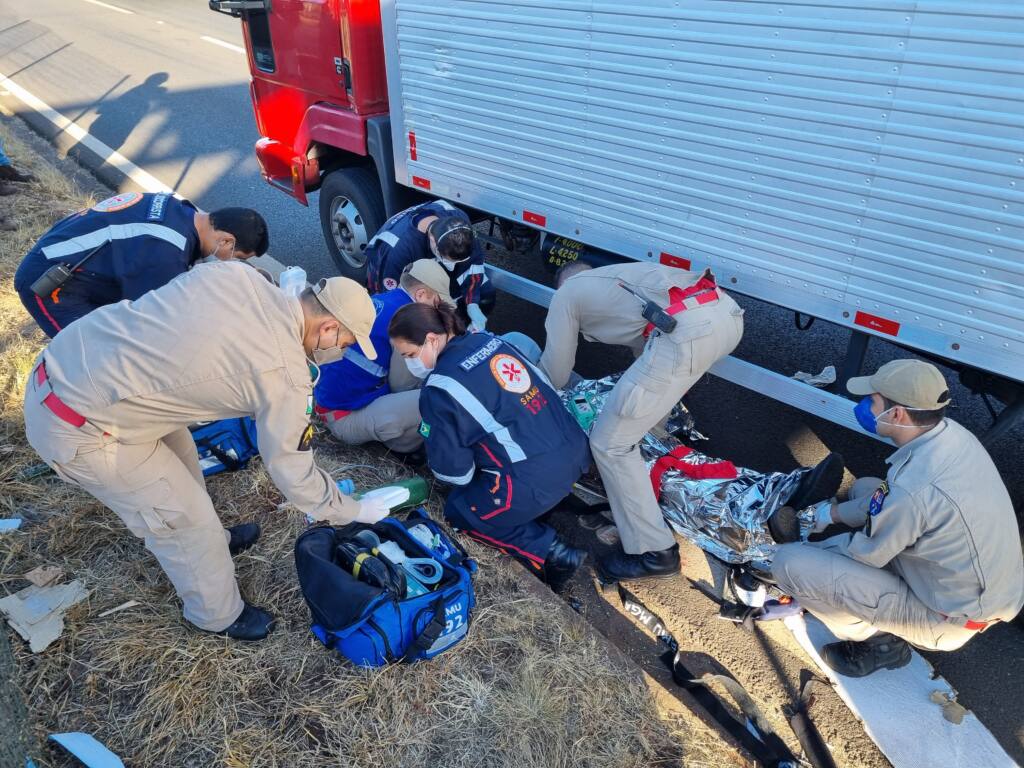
<point>361,400</point>
<point>108,405</point>
<point>937,557</point>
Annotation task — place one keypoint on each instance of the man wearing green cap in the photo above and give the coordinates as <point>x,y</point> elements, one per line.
<point>109,402</point>
<point>937,557</point>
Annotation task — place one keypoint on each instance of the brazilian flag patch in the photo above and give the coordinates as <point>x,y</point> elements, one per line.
<point>424,429</point>
<point>309,405</point>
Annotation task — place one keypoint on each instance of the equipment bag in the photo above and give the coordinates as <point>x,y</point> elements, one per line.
<point>372,625</point>
<point>225,445</point>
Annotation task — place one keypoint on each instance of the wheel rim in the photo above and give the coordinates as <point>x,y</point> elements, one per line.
<point>349,232</point>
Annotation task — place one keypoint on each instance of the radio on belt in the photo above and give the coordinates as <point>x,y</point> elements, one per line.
<point>652,313</point>
<point>54,278</point>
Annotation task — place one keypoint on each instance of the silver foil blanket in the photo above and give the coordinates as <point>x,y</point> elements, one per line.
<point>725,517</point>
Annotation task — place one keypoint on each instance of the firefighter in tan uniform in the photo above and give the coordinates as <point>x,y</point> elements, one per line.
<point>709,326</point>
<point>109,402</point>
<point>937,558</point>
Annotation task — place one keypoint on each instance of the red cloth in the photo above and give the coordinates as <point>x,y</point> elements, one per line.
<point>716,470</point>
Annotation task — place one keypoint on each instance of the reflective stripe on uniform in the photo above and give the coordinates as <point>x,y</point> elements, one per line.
<point>388,237</point>
<point>110,233</point>
<point>358,359</point>
<point>476,269</point>
<point>460,480</point>
<point>481,415</point>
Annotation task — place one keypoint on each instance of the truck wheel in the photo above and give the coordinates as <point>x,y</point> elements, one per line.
<point>351,212</point>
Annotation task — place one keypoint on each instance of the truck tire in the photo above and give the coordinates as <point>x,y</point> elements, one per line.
<point>351,212</point>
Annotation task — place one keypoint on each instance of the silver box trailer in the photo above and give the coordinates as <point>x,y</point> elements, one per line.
<point>860,161</point>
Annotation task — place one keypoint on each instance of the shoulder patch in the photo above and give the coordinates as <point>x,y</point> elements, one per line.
<point>158,207</point>
<point>424,430</point>
<point>306,439</point>
<point>878,499</point>
<point>510,373</point>
<point>118,202</point>
<point>390,283</point>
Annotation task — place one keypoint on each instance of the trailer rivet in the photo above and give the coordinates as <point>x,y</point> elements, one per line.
<point>732,279</point>
<point>846,314</point>
<point>576,231</point>
<point>956,346</point>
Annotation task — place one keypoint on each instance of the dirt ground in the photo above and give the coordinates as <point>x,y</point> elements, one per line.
<point>533,685</point>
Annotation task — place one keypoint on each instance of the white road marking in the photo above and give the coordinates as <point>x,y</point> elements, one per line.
<point>148,182</point>
<point>222,44</point>
<point>110,7</point>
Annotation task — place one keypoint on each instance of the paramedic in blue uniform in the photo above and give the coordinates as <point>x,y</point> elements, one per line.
<point>361,400</point>
<point>496,431</point>
<point>134,242</point>
<point>440,230</point>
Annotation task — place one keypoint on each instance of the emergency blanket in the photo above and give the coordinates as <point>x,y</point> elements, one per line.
<point>721,508</point>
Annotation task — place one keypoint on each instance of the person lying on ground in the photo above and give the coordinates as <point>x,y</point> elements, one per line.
<point>936,554</point>
<point>602,304</point>
<point>109,402</point>
<point>496,431</point>
<point>125,246</point>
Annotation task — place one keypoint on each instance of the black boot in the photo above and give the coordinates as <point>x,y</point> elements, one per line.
<point>618,566</point>
<point>857,659</point>
<point>252,624</point>
<point>821,483</point>
<point>10,173</point>
<point>784,525</point>
<point>561,563</point>
<point>242,537</point>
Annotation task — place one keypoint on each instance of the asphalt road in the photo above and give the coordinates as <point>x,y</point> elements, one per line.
<point>152,86</point>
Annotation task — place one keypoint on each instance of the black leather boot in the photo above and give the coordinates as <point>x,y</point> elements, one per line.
<point>561,563</point>
<point>252,624</point>
<point>857,659</point>
<point>821,483</point>
<point>618,566</point>
<point>242,537</point>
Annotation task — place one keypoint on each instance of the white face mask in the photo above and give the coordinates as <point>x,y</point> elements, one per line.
<point>417,368</point>
<point>448,264</point>
<point>212,258</point>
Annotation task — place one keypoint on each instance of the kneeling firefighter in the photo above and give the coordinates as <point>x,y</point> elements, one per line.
<point>496,430</point>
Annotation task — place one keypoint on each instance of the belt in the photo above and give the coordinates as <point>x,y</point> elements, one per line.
<point>974,626</point>
<point>330,415</point>
<point>704,291</point>
<point>60,409</point>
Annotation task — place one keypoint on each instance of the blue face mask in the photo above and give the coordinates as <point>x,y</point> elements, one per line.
<point>865,417</point>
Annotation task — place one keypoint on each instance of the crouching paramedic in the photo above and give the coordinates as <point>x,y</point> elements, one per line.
<point>603,305</point>
<point>440,230</point>
<point>109,402</point>
<point>361,400</point>
<point>124,246</point>
<point>495,430</point>
<point>937,557</point>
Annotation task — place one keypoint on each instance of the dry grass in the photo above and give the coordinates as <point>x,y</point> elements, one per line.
<point>529,687</point>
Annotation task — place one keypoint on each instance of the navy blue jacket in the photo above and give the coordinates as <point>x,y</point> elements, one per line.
<point>488,412</point>
<point>399,243</point>
<point>356,381</point>
<point>150,238</point>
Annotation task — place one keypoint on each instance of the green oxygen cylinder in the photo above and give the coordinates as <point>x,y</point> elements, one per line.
<point>400,494</point>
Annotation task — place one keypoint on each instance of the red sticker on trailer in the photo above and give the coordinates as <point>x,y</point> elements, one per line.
<point>535,218</point>
<point>419,181</point>
<point>674,261</point>
<point>412,145</point>
<point>876,323</point>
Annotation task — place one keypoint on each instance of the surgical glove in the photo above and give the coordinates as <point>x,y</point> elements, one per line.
<point>823,515</point>
<point>372,509</point>
<point>477,319</point>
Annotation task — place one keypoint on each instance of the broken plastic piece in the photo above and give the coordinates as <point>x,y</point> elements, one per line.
<point>823,379</point>
<point>37,613</point>
<point>121,607</point>
<point>45,575</point>
<point>10,524</point>
<point>87,749</point>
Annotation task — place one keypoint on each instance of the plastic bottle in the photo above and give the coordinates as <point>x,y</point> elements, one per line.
<point>292,281</point>
<point>401,494</point>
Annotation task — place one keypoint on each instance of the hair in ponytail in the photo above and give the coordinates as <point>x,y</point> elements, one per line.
<point>414,321</point>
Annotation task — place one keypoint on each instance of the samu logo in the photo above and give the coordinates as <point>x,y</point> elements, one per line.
<point>454,615</point>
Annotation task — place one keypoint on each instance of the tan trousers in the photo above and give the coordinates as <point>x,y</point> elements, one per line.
<point>392,419</point>
<point>646,393</point>
<point>856,600</point>
<point>157,490</point>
